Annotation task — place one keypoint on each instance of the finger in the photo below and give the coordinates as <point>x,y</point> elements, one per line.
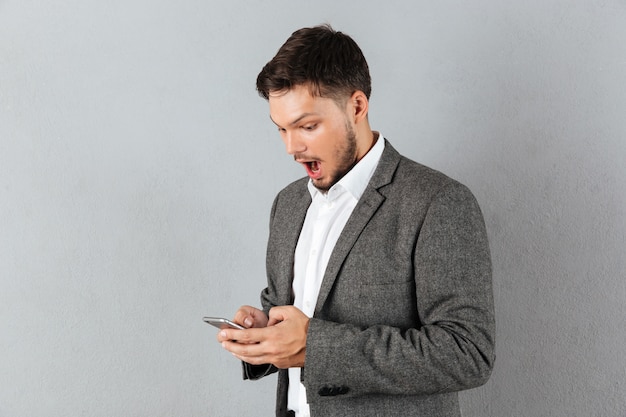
<point>260,360</point>
<point>243,313</point>
<point>251,317</point>
<point>282,313</point>
<point>246,351</point>
<point>246,336</point>
<point>277,314</point>
<point>260,318</point>
<point>228,335</point>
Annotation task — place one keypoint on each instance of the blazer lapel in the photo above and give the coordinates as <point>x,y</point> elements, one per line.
<point>363,212</point>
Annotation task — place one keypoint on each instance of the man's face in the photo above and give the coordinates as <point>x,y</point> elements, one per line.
<point>317,132</point>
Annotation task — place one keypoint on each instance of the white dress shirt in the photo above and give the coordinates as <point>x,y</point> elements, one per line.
<point>325,219</point>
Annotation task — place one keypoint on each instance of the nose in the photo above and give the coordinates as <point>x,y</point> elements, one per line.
<point>293,143</point>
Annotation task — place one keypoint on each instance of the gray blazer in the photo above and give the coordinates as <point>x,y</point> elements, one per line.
<point>404,318</point>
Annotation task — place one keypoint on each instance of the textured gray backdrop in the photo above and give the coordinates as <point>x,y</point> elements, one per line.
<point>138,166</point>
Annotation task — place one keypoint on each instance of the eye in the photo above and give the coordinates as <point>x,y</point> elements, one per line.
<point>310,127</point>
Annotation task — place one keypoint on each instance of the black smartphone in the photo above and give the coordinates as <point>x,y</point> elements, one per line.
<point>222,323</point>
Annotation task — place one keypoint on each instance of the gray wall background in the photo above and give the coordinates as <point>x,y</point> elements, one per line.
<point>138,166</point>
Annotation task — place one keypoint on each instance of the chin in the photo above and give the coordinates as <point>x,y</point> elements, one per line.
<point>322,186</point>
<point>326,185</point>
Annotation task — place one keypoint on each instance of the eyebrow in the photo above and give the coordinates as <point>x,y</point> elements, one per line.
<point>302,116</point>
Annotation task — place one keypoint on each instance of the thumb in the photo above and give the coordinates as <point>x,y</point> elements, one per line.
<point>276,315</point>
<point>248,322</point>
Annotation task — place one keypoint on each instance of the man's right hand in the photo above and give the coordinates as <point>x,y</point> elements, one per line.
<point>249,317</point>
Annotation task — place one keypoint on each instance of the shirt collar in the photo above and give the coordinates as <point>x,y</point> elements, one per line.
<point>356,180</point>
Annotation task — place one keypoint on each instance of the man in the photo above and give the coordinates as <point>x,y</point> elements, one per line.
<point>379,298</point>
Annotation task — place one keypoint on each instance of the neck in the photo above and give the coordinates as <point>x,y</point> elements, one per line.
<point>369,138</point>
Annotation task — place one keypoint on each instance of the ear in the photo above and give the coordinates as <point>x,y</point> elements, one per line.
<point>358,106</point>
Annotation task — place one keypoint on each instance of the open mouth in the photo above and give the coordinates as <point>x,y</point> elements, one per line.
<point>313,169</point>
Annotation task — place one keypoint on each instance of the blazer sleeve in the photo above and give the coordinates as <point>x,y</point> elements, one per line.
<point>451,348</point>
<point>278,290</point>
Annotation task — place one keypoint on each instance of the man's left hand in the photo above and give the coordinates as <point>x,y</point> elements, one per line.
<point>282,343</point>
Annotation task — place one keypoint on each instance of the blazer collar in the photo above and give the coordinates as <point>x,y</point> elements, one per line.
<point>386,167</point>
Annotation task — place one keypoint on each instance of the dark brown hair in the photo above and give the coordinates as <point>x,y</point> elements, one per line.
<point>330,62</point>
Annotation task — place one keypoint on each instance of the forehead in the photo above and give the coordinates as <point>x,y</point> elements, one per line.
<point>288,106</point>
